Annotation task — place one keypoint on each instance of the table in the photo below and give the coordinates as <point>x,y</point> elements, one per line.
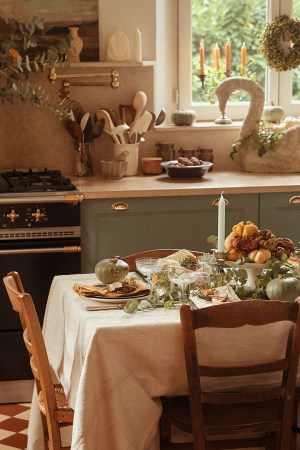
<point>114,367</point>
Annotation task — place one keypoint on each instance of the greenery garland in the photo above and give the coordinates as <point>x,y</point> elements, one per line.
<point>275,55</point>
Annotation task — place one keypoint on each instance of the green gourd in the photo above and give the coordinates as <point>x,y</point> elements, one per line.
<point>111,270</point>
<point>183,117</point>
<point>285,289</point>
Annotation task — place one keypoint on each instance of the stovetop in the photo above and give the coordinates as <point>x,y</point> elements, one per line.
<point>31,181</point>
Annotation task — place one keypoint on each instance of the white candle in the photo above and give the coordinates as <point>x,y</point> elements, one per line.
<point>221,224</point>
<point>138,46</point>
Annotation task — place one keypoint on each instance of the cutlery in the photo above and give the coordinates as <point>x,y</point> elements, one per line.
<point>139,103</point>
<point>108,123</point>
<point>143,124</point>
<point>119,131</point>
<point>127,113</point>
<point>161,117</point>
<point>83,123</point>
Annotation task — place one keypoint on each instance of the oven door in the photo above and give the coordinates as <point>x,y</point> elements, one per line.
<point>37,262</point>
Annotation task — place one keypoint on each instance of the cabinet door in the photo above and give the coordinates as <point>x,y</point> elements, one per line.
<point>161,222</point>
<point>280,212</point>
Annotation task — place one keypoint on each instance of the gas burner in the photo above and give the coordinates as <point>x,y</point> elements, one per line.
<point>34,181</point>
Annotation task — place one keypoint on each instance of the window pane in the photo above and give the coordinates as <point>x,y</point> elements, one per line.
<point>296,72</point>
<point>214,22</point>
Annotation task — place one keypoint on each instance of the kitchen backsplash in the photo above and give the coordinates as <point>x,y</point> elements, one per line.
<point>32,137</point>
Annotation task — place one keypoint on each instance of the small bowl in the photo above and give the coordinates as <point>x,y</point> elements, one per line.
<point>113,169</point>
<point>151,165</point>
<point>186,171</point>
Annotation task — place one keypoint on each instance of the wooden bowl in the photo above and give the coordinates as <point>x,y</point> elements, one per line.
<point>151,165</point>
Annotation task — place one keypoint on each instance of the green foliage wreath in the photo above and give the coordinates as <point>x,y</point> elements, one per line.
<point>276,56</point>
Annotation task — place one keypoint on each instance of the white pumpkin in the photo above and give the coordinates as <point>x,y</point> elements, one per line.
<point>273,113</point>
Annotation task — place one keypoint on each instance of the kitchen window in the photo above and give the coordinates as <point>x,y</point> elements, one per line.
<point>220,23</point>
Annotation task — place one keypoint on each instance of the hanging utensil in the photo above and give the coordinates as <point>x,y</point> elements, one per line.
<point>139,103</point>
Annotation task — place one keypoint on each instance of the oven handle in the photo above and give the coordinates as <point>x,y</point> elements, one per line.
<point>64,249</point>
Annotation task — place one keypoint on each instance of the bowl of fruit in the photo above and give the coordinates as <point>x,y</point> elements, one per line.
<point>187,167</point>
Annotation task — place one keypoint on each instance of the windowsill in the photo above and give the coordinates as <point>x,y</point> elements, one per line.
<point>235,125</point>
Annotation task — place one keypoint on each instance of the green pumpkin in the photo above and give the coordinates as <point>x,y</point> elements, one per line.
<point>183,117</point>
<point>111,270</point>
<point>285,289</point>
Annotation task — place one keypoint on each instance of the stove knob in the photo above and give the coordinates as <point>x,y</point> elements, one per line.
<point>12,215</point>
<point>38,215</point>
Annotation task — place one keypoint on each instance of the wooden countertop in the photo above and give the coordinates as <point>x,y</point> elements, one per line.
<point>163,186</point>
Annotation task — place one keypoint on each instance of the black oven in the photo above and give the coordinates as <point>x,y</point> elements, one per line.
<point>39,238</point>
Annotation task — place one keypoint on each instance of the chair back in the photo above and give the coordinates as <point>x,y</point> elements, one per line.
<point>23,304</point>
<point>157,253</point>
<point>277,368</point>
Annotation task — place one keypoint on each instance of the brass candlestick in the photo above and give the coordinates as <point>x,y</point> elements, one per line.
<point>202,79</point>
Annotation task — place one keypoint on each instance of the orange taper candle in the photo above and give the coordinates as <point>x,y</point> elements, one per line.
<point>228,56</point>
<point>243,58</point>
<point>201,53</point>
<point>217,58</point>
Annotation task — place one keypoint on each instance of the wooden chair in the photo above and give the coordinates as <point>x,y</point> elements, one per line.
<point>157,253</point>
<point>241,418</point>
<point>53,405</point>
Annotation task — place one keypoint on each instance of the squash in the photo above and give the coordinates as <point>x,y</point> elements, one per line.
<point>260,256</point>
<point>183,117</point>
<point>245,228</point>
<point>285,289</point>
<point>111,270</point>
<point>233,254</point>
<point>273,113</point>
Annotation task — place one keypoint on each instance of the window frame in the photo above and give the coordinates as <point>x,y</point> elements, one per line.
<point>278,86</point>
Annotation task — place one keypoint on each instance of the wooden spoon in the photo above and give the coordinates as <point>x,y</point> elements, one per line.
<point>139,103</point>
<point>108,124</point>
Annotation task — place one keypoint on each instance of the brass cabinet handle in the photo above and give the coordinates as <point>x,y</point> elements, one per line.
<point>216,202</point>
<point>119,206</point>
<point>294,199</point>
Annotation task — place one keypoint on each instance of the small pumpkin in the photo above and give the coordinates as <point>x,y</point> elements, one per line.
<point>260,256</point>
<point>245,228</point>
<point>273,113</point>
<point>285,289</point>
<point>233,254</point>
<point>111,270</point>
<point>183,117</point>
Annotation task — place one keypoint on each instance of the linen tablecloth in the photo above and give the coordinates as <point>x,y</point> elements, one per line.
<point>114,367</point>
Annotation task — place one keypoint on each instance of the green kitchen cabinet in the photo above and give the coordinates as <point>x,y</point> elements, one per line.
<point>120,227</point>
<point>280,213</point>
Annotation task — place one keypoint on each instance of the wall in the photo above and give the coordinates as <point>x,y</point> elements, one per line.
<point>32,137</point>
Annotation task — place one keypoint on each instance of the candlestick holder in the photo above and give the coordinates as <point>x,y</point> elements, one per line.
<point>220,265</point>
<point>202,79</point>
<point>223,120</point>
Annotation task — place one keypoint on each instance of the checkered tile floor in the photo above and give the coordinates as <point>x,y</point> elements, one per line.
<point>13,426</point>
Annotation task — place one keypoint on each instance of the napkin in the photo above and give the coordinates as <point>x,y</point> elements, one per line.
<point>102,290</point>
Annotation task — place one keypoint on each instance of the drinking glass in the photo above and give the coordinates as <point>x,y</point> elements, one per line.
<point>145,266</point>
<point>182,278</point>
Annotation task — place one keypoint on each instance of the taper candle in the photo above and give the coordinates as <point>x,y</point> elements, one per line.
<point>201,53</point>
<point>228,56</point>
<point>221,224</point>
<point>243,58</point>
<point>217,58</point>
<point>138,46</point>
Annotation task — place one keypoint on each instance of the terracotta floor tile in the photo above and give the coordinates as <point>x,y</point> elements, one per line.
<point>12,409</point>
<point>14,424</point>
<point>17,440</point>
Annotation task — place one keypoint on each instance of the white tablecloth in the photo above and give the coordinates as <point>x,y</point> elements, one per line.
<point>115,366</point>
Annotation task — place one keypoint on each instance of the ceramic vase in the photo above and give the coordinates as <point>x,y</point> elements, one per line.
<point>129,153</point>
<point>76,45</point>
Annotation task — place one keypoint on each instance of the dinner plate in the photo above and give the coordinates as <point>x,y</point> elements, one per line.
<point>122,299</point>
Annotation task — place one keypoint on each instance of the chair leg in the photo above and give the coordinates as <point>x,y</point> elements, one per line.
<point>165,433</point>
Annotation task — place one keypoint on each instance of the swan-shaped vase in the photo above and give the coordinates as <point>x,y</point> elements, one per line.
<point>286,155</point>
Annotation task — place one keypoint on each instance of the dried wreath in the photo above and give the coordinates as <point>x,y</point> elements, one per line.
<point>280,43</point>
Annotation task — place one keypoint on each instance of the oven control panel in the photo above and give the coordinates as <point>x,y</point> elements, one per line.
<point>37,215</point>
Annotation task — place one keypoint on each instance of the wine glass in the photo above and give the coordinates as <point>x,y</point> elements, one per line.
<point>182,278</point>
<point>145,266</point>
